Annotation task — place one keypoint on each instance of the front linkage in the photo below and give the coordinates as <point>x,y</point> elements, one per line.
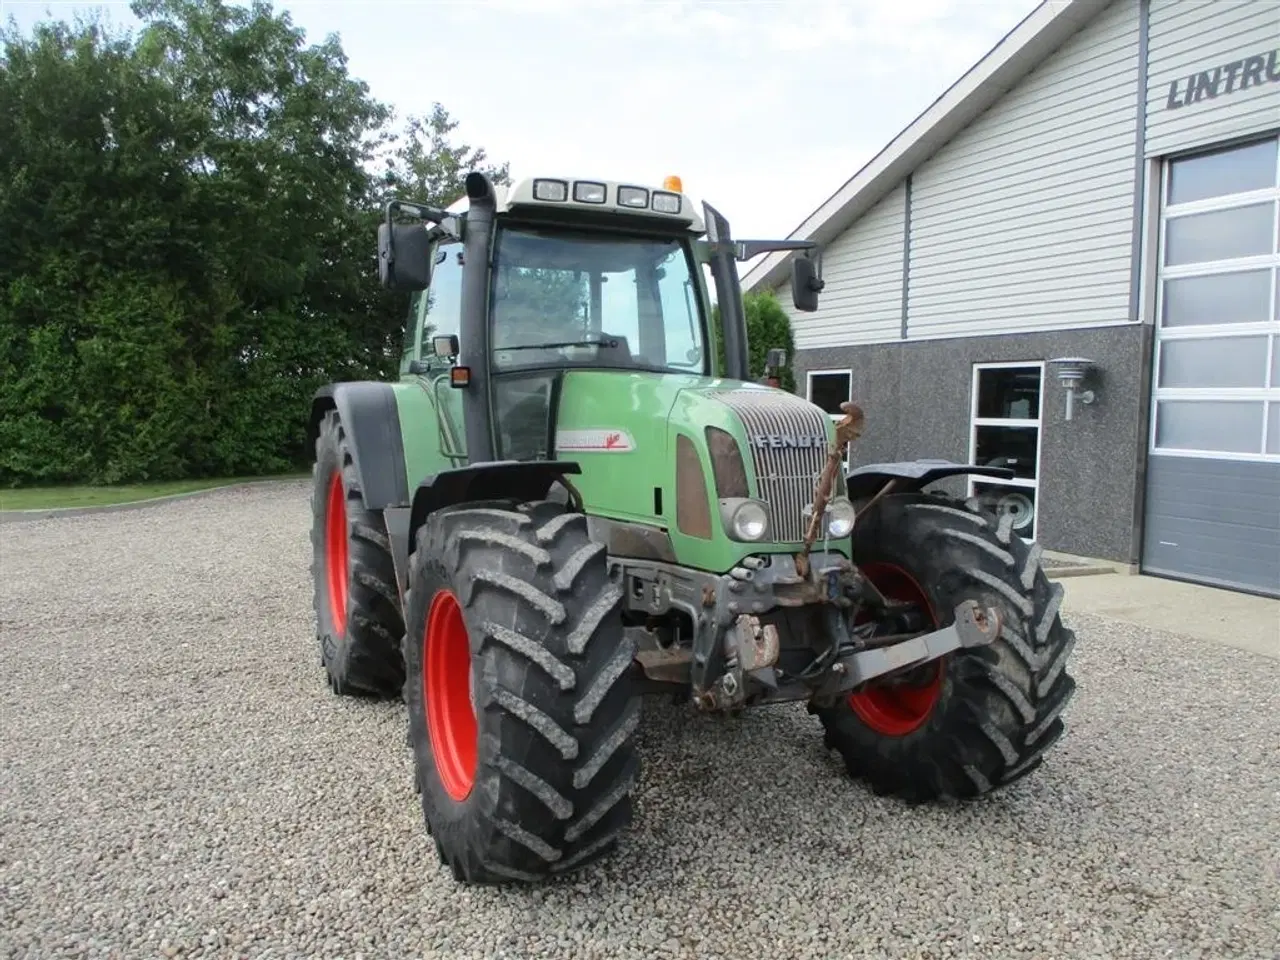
<point>734,654</point>
<point>735,651</point>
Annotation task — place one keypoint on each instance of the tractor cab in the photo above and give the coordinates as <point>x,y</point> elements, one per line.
<point>583,274</point>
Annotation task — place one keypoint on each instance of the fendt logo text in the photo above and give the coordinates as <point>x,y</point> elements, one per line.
<point>786,441</point>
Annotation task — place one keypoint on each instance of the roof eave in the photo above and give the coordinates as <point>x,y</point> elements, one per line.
<point>1040,33</point>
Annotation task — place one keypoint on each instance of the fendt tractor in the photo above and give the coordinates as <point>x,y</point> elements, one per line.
<point>576,495</point>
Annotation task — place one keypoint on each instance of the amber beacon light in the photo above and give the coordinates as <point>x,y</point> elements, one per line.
<point>673,184</point>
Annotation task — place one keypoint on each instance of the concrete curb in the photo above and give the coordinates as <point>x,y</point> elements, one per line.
<point>1089,570</point>
<point>58,513</point>
<point>1086,565</point>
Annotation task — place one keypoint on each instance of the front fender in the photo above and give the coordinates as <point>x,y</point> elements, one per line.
<point>371,421</point>
<point>866,481</point>
<point>494,480</point>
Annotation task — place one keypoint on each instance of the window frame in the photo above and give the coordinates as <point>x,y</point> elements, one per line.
<point>1018,423</point>
<point>573,231</point>
<point>847,373</point>
<point>1267,394</point>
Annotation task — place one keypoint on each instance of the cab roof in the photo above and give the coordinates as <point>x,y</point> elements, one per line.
<point>551,195</point>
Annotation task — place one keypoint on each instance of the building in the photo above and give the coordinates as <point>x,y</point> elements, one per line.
<point>1104,184</point>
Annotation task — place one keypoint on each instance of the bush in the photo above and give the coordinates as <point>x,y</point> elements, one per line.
<point>187,230</point>
<point>768,326</point>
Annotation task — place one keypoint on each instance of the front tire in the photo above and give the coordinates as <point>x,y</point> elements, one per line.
<point>977,719</point>
<point>521,705</point>
<point>356,603</point>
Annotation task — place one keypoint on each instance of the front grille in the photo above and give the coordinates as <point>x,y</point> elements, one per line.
<point>786,476</point>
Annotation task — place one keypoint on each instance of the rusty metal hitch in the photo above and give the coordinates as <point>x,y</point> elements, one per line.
<point>974,626</point>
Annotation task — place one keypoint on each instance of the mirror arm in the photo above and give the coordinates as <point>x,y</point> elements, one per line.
<point>450,228</point>
<point>419,210</point>
<point>444,225</point>
<point>749,249</point>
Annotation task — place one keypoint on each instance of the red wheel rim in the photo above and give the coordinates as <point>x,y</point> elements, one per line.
<point>897,709</point>
<point>446,686</point>
<point>335,528</point>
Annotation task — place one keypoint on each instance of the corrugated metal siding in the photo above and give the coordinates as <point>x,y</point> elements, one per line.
<point>1213,521</point>
<point>1025,220</point>
<point>862,301</point>
<point>1188,36</point>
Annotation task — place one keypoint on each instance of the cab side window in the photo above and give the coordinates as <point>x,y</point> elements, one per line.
<point>408,336</point>
<point>442,315</point>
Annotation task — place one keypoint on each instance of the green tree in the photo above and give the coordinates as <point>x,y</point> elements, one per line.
<point>768,327</point>
<point>96,381</point>
<point>187,222</point>
<point>425,166</point>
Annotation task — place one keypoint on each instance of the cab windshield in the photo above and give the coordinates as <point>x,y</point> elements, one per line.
<point>568,298</point>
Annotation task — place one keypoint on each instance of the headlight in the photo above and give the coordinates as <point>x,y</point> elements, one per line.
<point>556,191</point>
<point>633,197</point>
<point>745,519</point>
<point>840,517</point>
<point>666,202</point>
<point>584,191</point>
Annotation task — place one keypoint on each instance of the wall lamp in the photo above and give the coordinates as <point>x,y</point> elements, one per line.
<point>1072,371</point>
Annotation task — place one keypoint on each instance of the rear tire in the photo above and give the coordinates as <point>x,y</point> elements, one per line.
<point>520,699</point>
<point>357,606</point>
<point>977,719</point>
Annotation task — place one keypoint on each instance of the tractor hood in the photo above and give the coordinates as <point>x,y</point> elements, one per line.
<point>782,440</point>
<point>595,404</point>
<point>629,413</point>
<point>644,443</point>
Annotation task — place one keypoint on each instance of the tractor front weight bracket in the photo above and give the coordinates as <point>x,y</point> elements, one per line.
<point>974,626</point>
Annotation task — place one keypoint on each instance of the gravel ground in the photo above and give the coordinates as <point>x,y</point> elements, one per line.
<point>178,781</point>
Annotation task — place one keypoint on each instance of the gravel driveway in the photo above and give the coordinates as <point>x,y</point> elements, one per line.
<point>177,780</point>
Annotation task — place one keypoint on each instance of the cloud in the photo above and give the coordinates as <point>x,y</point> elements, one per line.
<point>764,107</point>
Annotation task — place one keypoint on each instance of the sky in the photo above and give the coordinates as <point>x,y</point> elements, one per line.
<point>764,108</point>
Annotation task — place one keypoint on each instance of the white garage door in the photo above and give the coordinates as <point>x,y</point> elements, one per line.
<point>1213,482</point>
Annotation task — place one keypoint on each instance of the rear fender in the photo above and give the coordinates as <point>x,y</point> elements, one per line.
<point>498,479</point>
<point>371,420</point>
<point>913,475</point>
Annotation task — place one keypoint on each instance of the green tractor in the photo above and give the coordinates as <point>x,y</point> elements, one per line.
<point>575,495</point>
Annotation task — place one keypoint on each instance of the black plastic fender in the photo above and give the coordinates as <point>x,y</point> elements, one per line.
<point>371,420</point>
<point>866,481</point>
<point>496,479</point>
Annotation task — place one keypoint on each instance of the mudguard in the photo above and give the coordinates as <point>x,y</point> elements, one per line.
<point>866,481</point>
<point>371,420</point>
<point>497,479</point>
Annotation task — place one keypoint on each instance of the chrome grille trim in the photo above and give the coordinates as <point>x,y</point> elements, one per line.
<point>786,477</point>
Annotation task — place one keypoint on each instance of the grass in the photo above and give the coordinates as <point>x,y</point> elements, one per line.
<point>45,498</point>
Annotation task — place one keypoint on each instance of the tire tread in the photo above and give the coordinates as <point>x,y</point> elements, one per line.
<point>367,660</point>
<point>552,688</point>
<point>1002,705</point>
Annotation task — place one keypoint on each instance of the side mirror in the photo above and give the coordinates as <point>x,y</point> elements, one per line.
<point>774,360</point>
<point>404,256</point>
<point>446,347</point>
<point>805,284</point>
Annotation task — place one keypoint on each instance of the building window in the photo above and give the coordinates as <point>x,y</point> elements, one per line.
<point>1217,365</point>
<point>828,389</point>
<point>1004,431</point>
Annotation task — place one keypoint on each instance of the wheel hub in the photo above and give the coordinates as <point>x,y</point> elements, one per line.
<point>449,695</point>
<point>896,707</point>
<point>335,526</point>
